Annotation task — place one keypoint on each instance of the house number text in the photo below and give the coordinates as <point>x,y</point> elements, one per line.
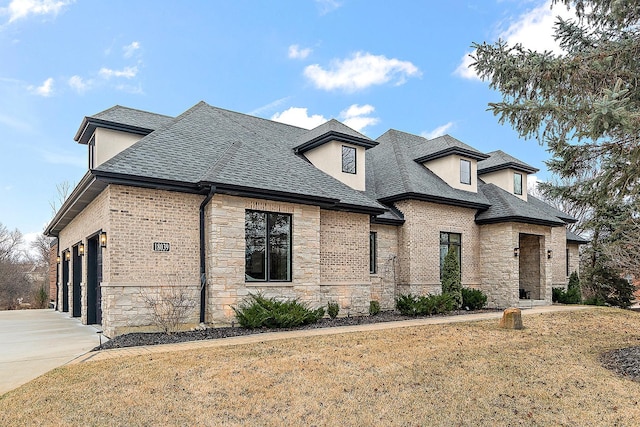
<point>161,247</point>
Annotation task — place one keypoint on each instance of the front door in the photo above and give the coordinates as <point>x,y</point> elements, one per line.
<point>77,279</point>
<point>94,278</point>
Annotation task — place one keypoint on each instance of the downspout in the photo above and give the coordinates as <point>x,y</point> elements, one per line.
<point>203,268</point>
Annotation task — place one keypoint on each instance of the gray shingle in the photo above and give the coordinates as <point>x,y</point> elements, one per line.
<point>499,160</point>
<point>392,172</point>
<point>133,117</point>
<point>441,146</point>
<point>211,145</point>
<point>507,207</point>
<point>574,238</point>
<point>550,209</point>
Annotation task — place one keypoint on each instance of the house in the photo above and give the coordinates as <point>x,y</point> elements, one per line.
<point>216,205</point>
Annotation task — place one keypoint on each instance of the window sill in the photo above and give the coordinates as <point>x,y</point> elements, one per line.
<point>268,284</point>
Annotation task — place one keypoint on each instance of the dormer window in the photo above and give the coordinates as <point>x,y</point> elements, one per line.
<point>517,184</point>
<point>348,159</point>
<point>465,172</point>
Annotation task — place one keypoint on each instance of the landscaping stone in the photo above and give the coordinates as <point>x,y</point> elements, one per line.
<point>511,319</point>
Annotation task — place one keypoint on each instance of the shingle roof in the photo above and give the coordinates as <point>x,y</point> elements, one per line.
<point>441,146</point>
<point>133,117</point>
<point>507,207</point>
<point>206,144</point>
<point>550,209</point>
<point>393,174</point>
<point>329,131</point>
<point>574,238</point>
<point>121,118</point>
<point>499,160</point>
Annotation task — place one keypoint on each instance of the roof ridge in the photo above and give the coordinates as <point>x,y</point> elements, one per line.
<point>400,161</point>
<point>131,109</point>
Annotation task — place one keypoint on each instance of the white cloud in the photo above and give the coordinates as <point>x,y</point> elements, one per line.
<point>296,53</point>
<point>46,89</point>
<point>360,71</point>
<point>533,29</point>
<point>19,9</point>
<point>357,116</point>
<point>439,131</point>
<point>126,72</point>
<point>326,6</point>
<point>79,84</point>
<point>135,90</point>
<point>130,49</point>
<point>298,116</point>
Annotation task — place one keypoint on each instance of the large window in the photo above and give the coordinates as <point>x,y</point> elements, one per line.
<point>268,246</point>
<point>450,242</point>
<point>517,183</point>
<point>465,171</point>
<point>348,159</point>
<point>373,252</point>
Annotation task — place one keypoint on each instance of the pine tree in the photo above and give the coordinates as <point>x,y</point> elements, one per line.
<point>451,282</point>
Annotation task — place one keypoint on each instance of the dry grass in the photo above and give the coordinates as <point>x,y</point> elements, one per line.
<point>459,374</point>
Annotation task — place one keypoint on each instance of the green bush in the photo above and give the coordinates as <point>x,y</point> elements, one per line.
<point>473,299</point>
<point>374,308</point>
<point>572,295</point>
<point>451,281</point>
<point>41,297</point>
<point>595,300</point>
<point>333,309</point>
<point>257,312</point>
<point>411,305</point>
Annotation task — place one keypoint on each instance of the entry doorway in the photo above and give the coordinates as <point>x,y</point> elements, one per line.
<point>65,282</point>
<point>94,278</point>
<point>77,281</point>
<point>530,267</point>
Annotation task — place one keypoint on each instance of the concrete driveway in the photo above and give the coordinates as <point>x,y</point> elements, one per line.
<point>33,342</point>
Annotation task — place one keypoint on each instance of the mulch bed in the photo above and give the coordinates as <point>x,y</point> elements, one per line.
<point>154,338</point>
<point>624,361</point>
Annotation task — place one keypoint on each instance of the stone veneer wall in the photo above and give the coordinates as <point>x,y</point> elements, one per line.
<point>529,265</point>
<point>344,260</point>
<point>383,282</point>
<point>225,248</point>
<point>419,245</point>
<point>574,258</point>
<point>500,268</point>
<point>559,256</point>
<point>92,219</point>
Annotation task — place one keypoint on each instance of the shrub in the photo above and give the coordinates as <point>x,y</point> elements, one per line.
<point>572,295</point>
<point>473,299</point>
<point>407,305</point>
<point>374,308</point>
<point>41,297</point>
<point>257,311</point>
<point>594,300</point>
<point>451,282</point>
<point>333,309</point>
<point>410,305</point>
<point>170,306</point>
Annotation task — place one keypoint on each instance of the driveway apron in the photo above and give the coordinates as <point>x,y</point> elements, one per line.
<point>32,342</point>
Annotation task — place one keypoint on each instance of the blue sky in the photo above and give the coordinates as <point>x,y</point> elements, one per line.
<point>372,64</point>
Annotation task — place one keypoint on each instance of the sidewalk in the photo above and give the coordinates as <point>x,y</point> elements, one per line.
<point>273,336</point>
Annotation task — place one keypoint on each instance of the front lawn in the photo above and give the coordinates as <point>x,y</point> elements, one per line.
<point>467,374</point>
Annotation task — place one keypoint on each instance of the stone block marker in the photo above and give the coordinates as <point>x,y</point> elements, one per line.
<point>511,319</point>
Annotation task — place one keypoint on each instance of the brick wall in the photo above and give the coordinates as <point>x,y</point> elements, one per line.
<point>419,245</point>
<point>383,282</point>
<point>53,272</point>
<point>574,258</point>
<point>344,260</point>
<point>93,218</point>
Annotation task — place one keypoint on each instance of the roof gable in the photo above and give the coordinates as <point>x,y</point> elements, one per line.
<point>442,146</point>
<point>499,160</point>
<point>331,130</point>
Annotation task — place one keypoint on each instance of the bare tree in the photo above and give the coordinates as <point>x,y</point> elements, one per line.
<point>42,246</point>
<point>170,305</point>
<point>62,191</point>
<point>13,282</point>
